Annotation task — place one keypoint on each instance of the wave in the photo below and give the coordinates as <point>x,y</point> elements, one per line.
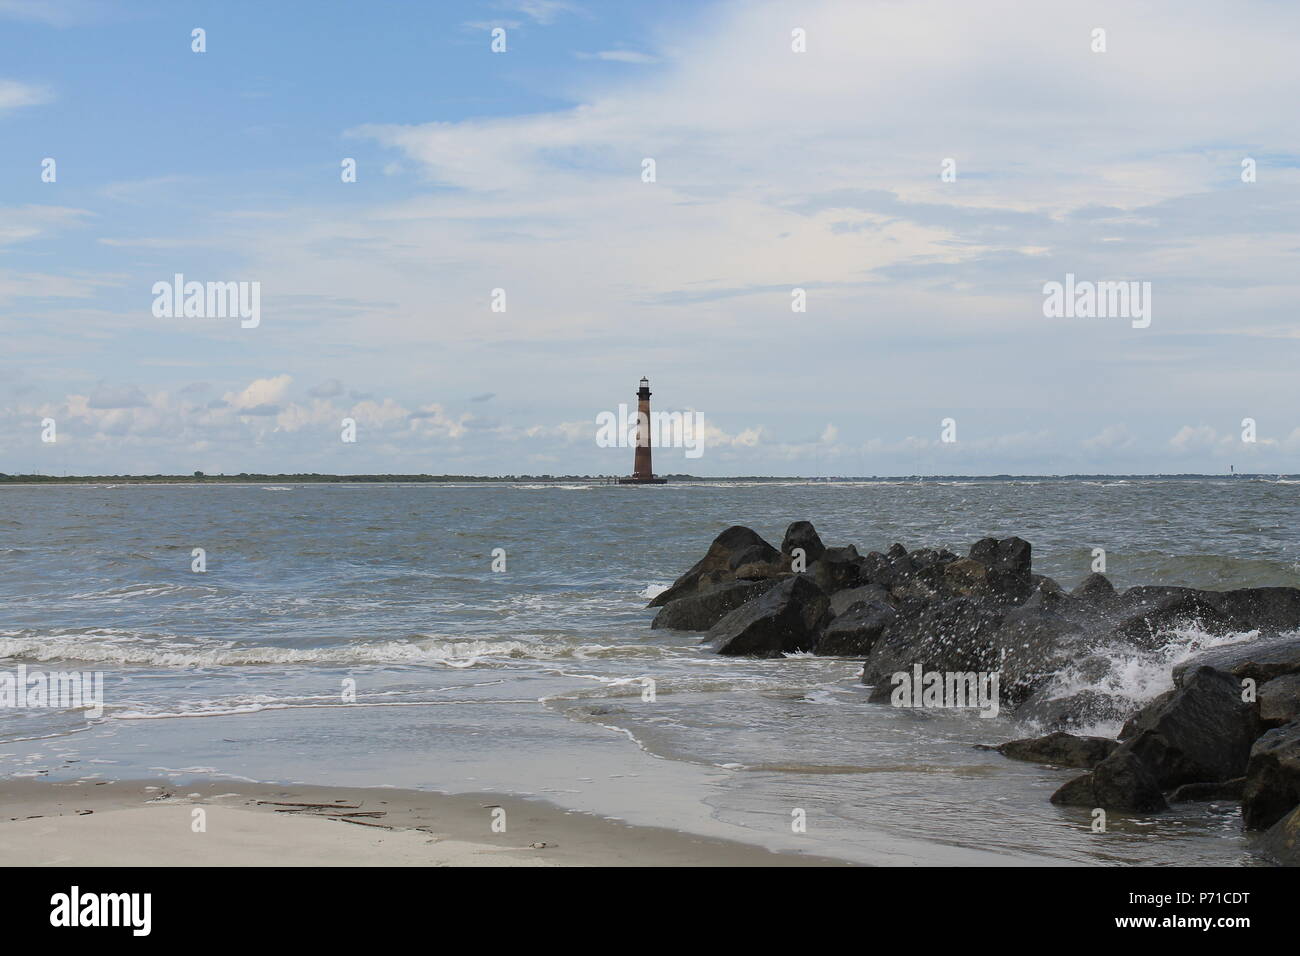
<point>106,646</point>
<point>820,685</point>
<point>557,486</point>
<point>148,590</point>
<point>257,703</point>
<point>1133,677</point>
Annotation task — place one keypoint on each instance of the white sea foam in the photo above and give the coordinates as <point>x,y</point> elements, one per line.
<point>145,590</point>
<point>1138,676</point>
<point>631,686</point>
<point>556,486</point>
<point>108,646</point>
<point>236,708</point>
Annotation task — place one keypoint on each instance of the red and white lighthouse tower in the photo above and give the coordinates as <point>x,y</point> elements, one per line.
<point>642,470</point>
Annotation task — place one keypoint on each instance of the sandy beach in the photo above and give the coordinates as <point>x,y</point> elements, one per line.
<point>154,823</point>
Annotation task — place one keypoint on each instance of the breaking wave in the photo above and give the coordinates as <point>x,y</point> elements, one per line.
<point>113,647</point>
<point>1133,677</point>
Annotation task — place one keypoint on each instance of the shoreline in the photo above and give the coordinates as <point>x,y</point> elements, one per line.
<point>35,480</point>
<point>152,822</point>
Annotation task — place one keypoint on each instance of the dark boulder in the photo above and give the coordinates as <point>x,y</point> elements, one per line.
<point>918,575</point>
<point>1203,792</point>
<point>1269,610</point>
<point>1034,645</point>
<point>876,569</point>
<point>837,569</point>
<point>967,577</point>
<point>1279,700</point>
<point>855,632</point>
<point>1282,841</point>
<point>760,571</point>
<point>733,548</point>
<point>898,568</point>
<point>924,558</point>
<point>841,601</point>
<point>1260,660</point>
<point>1063,750</point>
<point>1075,792</point>
<point>762,553</point>
<point>698,584</point>
<point>1201,732</point>
<point>1007,554</point>
<point>1272,777</point>
<point>782,620</point>
<point>1094,589</point>
<point>1151,596</point>
<point>1132,726</point>
<point>1047,595</point>
<point>1148,615</point>
<point>916,587</point>
<point>921,575</point>
<point>1123,782</point>
<point>1025,647</point>
<point>1072,712</point>
<point>1010,565</point>
<point>801,534</point>
<point>1120,782</point>
<point>701,611</point>
<point>955,636</point>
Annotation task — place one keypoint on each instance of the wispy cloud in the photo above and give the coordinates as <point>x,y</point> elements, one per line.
<point>775,170</point>
<point>542,11</point>
<point>15,95</point>
<point>619,56</point>
<point>56,13</point>
<point>23,223</point>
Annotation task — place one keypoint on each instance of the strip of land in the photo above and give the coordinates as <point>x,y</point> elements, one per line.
<point>225,823</point>
<point>246,478</point>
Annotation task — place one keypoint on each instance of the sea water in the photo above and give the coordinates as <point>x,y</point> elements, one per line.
<point>358,635</point>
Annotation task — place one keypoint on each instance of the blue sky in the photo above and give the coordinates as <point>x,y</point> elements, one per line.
<point>774,170</point>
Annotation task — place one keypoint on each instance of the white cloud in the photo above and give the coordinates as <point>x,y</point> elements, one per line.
<point>259,393</point>
<point>773,169</point>
<point>117,396</point>
<point>619,56</point>
<point>492,24</point>
<point>14,95</point>
<point>1205,439</point>
<point>330,388</point>
<point>542,11</point>
<point>41,285</point>
<point>817,170</point>
<point>24,223</point>
<point>715,437</point>
<point>433,419</point>
<point>1110,438</point>
<point>57,13</point>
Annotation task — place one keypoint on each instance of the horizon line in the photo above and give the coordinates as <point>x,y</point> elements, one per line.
<point>304,476</point>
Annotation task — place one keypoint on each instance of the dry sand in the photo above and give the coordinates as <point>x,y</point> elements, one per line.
<point>153,823</point>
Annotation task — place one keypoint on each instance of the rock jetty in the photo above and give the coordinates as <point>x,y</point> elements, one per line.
<point>1229,729</point>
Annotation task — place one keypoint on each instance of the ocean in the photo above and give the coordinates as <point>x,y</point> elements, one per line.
<point>359,635</point>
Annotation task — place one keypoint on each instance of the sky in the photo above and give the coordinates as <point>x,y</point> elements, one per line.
<point>920,170</point>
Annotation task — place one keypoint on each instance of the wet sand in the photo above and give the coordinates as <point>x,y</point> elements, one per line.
<point>155,823</point>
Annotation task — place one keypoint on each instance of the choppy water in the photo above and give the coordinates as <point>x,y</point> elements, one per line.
<point>532,680</point>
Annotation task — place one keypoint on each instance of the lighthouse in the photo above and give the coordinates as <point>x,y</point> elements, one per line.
<point>642,470</point>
